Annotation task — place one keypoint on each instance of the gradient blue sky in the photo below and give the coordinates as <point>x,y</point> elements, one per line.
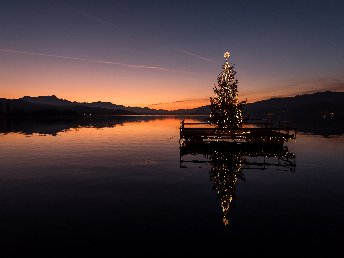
<point>150,52</point>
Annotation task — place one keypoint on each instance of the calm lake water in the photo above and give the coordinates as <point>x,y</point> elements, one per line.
<point>120,187</point>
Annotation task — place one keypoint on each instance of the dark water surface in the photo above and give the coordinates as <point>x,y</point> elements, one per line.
<point>119,188</point>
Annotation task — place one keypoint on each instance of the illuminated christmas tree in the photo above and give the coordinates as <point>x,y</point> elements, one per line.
<point>226,110</point>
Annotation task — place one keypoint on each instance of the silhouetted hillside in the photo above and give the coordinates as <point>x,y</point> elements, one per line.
<point>20,107</point>
<point>48,100</point>
<point>55,101</point>
<point>320,105</point>
<point>320,113</point>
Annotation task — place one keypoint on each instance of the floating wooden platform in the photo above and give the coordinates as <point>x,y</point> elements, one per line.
<point>205,133</point>
<point>250,155</point>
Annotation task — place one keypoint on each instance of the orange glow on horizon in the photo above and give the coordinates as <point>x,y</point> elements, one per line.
<point>135,101</point>
<point>153,90</point>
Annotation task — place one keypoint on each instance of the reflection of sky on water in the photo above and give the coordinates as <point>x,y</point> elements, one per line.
<point>124,184</point>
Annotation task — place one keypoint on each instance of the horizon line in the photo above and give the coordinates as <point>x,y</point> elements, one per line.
<point>172,102</point>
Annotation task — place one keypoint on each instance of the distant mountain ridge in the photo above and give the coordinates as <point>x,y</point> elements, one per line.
<point>55,101</point>
<point>48,100</point>
<point>320,105</point>
<point>321,113</point>
<point>50,106</point>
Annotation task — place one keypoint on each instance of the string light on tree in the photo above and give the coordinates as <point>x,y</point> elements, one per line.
<point>226,110</point>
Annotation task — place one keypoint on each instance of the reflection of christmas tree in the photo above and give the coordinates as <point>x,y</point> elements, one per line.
<point>228,161</point>
<point>225,170</point>
<point>226,110</point>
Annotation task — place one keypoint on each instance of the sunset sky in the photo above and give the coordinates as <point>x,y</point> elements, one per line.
<point>167,54</point>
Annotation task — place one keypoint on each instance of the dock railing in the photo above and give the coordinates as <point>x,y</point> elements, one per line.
<point>262,131</point>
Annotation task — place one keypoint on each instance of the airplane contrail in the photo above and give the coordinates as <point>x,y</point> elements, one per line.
<point>180,101</point>
<point>85,14</point>
<point>197,56</point>
<point>16,51</point>
<point>96,18</point>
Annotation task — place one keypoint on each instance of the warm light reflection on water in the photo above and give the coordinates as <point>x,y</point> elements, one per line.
<point>121,182</point>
